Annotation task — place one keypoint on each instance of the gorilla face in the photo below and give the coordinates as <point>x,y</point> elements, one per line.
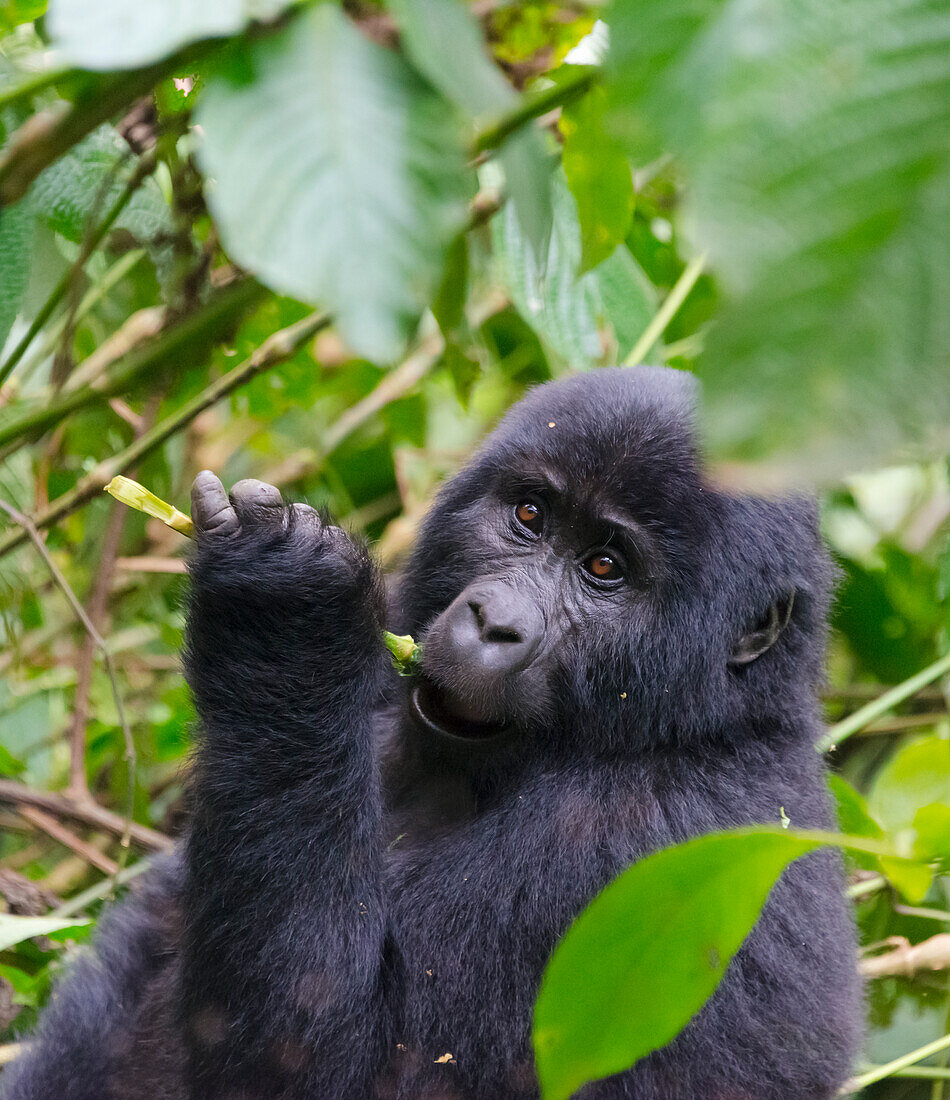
<point>580,582</point>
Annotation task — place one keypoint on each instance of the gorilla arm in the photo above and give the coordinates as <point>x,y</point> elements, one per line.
<point>283,926</point>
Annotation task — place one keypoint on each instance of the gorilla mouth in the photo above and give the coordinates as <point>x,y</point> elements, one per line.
<point>433,715</point>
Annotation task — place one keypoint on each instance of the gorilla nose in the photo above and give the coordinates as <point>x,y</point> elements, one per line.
<point>494,627</point>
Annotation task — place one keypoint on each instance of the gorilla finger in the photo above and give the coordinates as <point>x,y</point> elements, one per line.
<point>305,518</point>
<point>257,504</point>
<point>210,508</point>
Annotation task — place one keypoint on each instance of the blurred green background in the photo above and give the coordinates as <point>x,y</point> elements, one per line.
<point>482,197</point>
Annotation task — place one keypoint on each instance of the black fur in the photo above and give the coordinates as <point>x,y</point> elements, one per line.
<point>357,899</point>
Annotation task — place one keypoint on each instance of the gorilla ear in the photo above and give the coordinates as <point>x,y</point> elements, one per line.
<point>752,645</point>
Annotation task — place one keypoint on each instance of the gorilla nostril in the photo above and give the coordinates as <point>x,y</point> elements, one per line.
<point>501,634</point>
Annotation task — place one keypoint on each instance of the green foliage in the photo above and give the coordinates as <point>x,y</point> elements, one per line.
<point>814,136</point>
<point>330,152</point>
<point>563,308</point>
<point>662,935</point>
<point>16,226</point>
<point>598,174</point>
<point>337,175</point>
<point>447,45</point>
<point>109,35</point>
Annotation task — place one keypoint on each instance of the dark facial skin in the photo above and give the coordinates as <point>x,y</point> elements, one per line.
<point>559,563</point>
<point>618,655</point>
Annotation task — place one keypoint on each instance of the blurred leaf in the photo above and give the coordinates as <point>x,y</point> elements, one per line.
<point>78,190</point>
<point>448,306</point>
<point>853,817</point>
<point>816,141</point>
<point>917,775</point>
<point>15,929</point>
<point>463,369</point>
<point>932,828</point>
<point>648,952</point>
<point>336,175</point>
<point>445,43</point>
<point>116,34</point>
<point>887,613</point>
<point>561,307</point>
<point>9,765</point>
<point>627,299</point>
<point>16,227</point>
<point>599,176</point>
<point>911,879</point>
<point>13,13</point>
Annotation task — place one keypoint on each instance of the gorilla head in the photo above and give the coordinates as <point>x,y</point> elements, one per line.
<point>582,585</point>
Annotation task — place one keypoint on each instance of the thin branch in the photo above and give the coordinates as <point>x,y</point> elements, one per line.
<point>57,831</point>
<point>856,1084</point>
<point>145,167</point>
<point>87,813</point>
<point>98,599</point>
<point>275,349</point>
<point>866,886</point>
<point>100,890</point>
<point>393,385</point>
<point>865,715</point>
<point>44,137</point>
<point>98,604</point>
<point>906,959</point>
<point>27,524</point>
<point>667,311</point>
<point>177,344</point>
<point>573,86</point>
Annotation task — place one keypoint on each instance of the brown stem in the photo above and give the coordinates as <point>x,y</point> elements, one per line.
<point>85,812</point>
<point>96,610</point>
<point>57,831</point>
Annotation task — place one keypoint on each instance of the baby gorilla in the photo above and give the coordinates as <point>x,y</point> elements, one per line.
<point>618,655</point>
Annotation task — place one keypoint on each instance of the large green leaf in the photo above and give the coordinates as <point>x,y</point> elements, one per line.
<point>14,930</point>
<point>446,44</point>
<point>599,176</point>
<point>562,308</point>
<point>648,952</point>
<point>125,34</point>
<point>917,775</point>
<point>77,190</point>
<point>815,135</point>
<point>335,174</point>
<point>16,228</point>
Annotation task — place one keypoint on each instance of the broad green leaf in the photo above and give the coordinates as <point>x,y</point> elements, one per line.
<point>16,230</point>
<point>853,817</point>
<point>13,13</point>
<point>815,142</point>
<point>14,930</point>
<point>599,176</point>
<point>917,775</point>
<point>445,43</point>
<point>119,34</point>
<point>79,189</point>
<point>626,298</point>
<point>648,952</point>
<point>562,308</point>
<point>851,809</point>
<point>335,174</point>
<point>932,829</point>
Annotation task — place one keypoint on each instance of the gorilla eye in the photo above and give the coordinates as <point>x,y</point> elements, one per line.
<point>528,514</point>
<point>604,567</point>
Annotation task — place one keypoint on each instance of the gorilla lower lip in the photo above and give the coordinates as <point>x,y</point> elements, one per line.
<point>429,710</point>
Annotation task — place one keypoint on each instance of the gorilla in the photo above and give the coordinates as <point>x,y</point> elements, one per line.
<point>617,656</point>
